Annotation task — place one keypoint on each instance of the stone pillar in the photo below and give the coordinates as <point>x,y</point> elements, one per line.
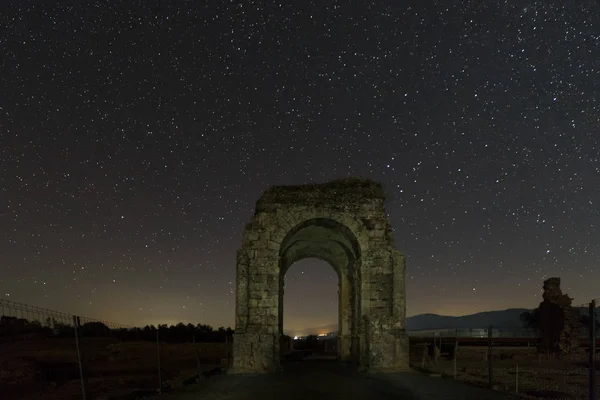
<point>363,306</point>
<point>355,349</point>
<point>344,347</point>
<point>282,348</point>
<point>401,341</point>
<point>241,293</point>
<point>345,316</point>
<point>399,288</point>
<point>256,348</point>
<point>255,353</point>
<point>355,305</point>
<point>386,338</point>
<point>364,350</point>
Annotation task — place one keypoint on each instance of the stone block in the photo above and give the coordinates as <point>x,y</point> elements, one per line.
<point>257,283</point>
<point>379,303</point>
<point>273,245</point>
<point>366,304</point>
<point>387,268</point>
<point>268,302</point>
<point>257,294</point>
<point>251,236</point>
<point>290,219</point>
<point>252,353</point>
<point>265,253</point>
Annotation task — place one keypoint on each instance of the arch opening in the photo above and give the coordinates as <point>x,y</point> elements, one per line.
<point>311,290</point>
<point>331,242</point>
<point>321,230</point>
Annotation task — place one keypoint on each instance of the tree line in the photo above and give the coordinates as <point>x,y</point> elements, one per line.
<point>180,333</point>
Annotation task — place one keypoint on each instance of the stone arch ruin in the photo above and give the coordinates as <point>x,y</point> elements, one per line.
<point>344,223</point>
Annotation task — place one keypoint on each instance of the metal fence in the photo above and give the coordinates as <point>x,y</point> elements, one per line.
<point>492,360</point>
<point>475,333</point>
<point>55,355</point>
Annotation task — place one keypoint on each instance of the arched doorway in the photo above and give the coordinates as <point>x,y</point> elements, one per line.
<point>334,243</point>
<point>345,224</point>
<point>311,310</point>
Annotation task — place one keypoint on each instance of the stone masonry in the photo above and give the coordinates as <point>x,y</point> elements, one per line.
<point>344,223</point>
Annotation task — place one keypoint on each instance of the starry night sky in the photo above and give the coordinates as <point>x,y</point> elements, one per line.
<point>136,136</point>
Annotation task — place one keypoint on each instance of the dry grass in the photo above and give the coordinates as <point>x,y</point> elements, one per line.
<point>48,368</point>
<point>539,377</point>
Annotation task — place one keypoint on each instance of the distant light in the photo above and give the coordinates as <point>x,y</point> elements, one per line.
<point>295,337</point>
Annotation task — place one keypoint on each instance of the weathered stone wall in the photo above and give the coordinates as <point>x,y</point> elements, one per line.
<point>344,223</point>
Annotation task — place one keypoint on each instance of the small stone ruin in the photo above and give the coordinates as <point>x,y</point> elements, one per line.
<point>559,321</point>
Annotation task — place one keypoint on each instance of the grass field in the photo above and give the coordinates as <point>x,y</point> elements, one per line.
<point>48,368</point>
<point>539,376</point>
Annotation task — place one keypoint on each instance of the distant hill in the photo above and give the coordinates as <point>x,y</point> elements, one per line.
<point>500,319</point>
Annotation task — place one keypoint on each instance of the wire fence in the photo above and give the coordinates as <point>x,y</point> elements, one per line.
<point>513,364</point>
<point>55,355</point>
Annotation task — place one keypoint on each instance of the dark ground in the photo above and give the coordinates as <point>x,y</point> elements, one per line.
<point>319,378</point>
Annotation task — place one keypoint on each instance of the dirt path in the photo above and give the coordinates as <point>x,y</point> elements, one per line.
<point>328,380</point>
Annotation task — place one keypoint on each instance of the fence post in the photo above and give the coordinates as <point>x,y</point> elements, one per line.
<point>227,348</point>
<point>80,359</point>
<point>230,350</point>
<point>158,361</point>
<point>592,350</point>
<point>455,355</point>
<point>197,355</point>
<point>517,380</point>
<point>489,357</point>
